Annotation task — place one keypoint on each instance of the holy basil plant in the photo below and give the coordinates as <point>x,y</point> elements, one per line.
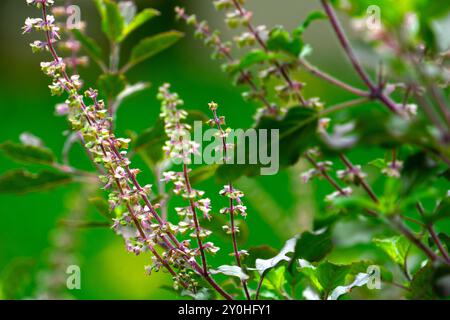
<point>377,228</point>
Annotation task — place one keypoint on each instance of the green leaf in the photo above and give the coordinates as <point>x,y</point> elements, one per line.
<point>27,153</point>
<point>330,276</point>
<point>151,46</point>
<point>361,279</point>
<point>315,15</point>
<point>395,247</point>
<point>22,181</point>
<point>313,246</point>
<point>89,45</point>
<point>378,163</point>
<point>297,132</point>
<point>355,204</point>
<point>202,294</point>
<point>421,287</point>
<point>329,279</point>
<point>233,271</point>
<point>252,58</point>
<point>265,265</point>
<point>112,21</point>
<point>111,85</point>
<point>275,280</point>
<point>260,252</point>
<point>141,18</point>
<point>281,40</point>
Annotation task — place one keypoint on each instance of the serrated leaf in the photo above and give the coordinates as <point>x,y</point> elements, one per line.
<point>27,153</point>
<point>233,271</point>
<point>111,85</point>
<point>141,18</point>
<point>151,46</point>
<point>395,247</point>
<point>330,276</point>
<point>22,181</point>
<point>313,246</point>
<point>275,280</point>
<point>421,287</point>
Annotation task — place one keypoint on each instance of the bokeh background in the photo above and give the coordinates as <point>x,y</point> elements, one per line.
<point>27,222</point>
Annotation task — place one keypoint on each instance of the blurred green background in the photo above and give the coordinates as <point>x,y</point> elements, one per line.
<point>108,272</point>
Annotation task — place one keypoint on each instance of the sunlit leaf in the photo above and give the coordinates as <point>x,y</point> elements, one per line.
<point>141,18</point>
<point>327,276</point>
<point>361,279</point>
<point>233,271</point>
<point>112,20</point>
<point>396,248</point>
<point>151,46</point>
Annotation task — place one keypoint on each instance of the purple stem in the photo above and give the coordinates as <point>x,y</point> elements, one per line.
<point>375,91</point>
